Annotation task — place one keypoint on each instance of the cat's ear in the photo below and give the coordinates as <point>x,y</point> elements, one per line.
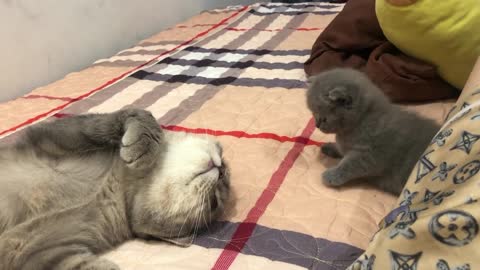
<point>184,241</point>
<point>340,96</point>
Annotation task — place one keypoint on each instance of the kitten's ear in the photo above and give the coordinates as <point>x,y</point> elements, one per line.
<point>184,241</point>
<point>340,96</point>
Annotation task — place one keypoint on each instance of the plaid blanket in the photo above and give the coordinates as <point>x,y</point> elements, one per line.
<point>236,74</point>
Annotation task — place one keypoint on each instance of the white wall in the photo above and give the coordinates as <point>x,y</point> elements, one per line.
<point>43,40</point>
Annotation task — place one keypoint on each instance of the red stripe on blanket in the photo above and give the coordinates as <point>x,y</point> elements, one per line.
<point>246,228</point>
<point>47,97</point>
<point>123,75</point>
<point>242,134</point>
<point>195,25</point>
<point>234,133</point>
<point>273,30</point>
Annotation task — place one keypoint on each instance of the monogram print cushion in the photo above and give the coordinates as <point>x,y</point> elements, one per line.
<point>435,224</point>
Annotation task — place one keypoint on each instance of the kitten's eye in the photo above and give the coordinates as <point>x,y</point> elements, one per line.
<point>214,203</point>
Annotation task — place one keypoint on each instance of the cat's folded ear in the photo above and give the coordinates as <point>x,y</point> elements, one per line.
<point>340,96</point>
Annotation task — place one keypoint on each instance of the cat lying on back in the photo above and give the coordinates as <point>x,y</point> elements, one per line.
<point>76,187</point>
<point>375,139</point>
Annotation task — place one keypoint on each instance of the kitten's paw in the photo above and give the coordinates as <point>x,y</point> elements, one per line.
<point>141,141</point>
<point>331,178</point>
<point>331,150</point>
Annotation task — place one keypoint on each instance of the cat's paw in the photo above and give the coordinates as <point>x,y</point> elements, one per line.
<point>142,140</point>
<point>331,150</point>
<point>85,261</point>
<point>330,177</point>
<point>99,264</point>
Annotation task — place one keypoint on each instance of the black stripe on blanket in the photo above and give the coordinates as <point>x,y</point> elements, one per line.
<point>267,83</point>
<point>294,13</point>
<point>250,52</point>
<point>285,246</point>
<point>241,65</point>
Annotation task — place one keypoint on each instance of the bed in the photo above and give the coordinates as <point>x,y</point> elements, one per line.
<point>236,74</point>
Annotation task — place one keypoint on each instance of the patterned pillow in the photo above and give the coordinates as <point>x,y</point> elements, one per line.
<point>436,222</point>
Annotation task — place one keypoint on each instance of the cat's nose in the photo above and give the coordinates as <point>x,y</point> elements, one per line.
<point>210,165</point>
<point>215,162</point>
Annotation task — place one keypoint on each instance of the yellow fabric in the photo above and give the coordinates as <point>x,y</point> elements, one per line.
<point>436,222</point>
<point>445,33</point>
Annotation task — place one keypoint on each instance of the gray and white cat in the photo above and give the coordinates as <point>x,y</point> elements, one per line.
<point>375,139</point>
<point>76,187</point>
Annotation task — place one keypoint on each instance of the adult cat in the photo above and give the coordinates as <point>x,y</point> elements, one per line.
<point>375,139</point>
<point>76,187</point>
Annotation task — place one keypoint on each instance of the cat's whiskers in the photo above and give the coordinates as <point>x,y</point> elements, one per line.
<point>204,197</point>
<point>185,221</point>
<point>209,212</point>
<point>197,218</point>
<point>196,223</point>
<point>170,222</point>
<point>200,213</point>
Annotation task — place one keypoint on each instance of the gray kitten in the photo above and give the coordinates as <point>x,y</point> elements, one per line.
<point>375,139</point>
<point>74,188</point>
